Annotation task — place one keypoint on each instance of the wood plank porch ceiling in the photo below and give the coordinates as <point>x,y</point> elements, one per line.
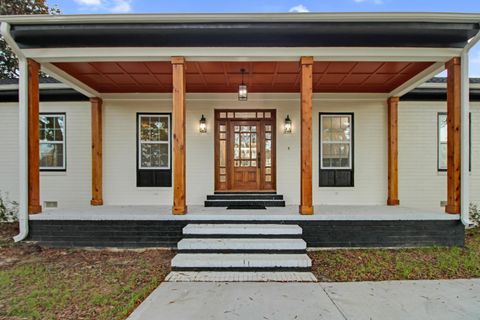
<point>275,76</point>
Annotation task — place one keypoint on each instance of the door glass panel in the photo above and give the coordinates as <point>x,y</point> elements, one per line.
<point>268,153</point>
<point>245,129</point>
<point>268,128</point>
<point>223,136</point>
<point>223,153</point>
<point>253,128</point>
<point>245,143</point>
<point>254,163</point>
<point>237,128</point>
<point>268,170</point>
<point>236,163</point>
<point>236,148</point>
<point>245,163</point>
<point>223,128</point>
<point>268,136</point>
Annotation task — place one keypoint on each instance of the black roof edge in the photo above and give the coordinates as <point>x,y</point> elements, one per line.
<point>46,95</point>
<point>247,34</point>
<point>435,94</point>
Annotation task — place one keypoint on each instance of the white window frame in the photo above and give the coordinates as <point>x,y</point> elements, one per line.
<point>140,141</point>
<point>63,142</point>
<point>349,142</point>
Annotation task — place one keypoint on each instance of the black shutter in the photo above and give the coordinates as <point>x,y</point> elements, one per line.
<point>154,177</point>
<point>335,177</point>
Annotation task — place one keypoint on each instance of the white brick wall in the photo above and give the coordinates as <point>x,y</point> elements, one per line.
<point>419,182</point>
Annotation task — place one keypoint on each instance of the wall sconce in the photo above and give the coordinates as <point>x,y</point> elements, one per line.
<point>288,125</point>
<point>203,125</point>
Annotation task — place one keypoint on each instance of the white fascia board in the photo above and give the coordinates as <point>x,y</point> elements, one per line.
<point>242,54</point>
<point>247,17</point>
<point>432,85</point>
<point>5,87</point>
<point>418,79</point>
<point>70,81</point>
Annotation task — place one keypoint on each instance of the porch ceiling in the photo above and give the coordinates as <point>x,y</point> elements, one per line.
<point>274,76</point>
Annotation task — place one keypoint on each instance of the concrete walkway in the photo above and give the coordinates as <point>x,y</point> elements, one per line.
<point>447,299</point>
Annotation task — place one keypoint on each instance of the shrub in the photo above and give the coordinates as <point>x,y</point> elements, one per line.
<point>8,209</point>
<point>475,214</point>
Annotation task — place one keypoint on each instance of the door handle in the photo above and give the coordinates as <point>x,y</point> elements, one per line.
<point>259,159</point>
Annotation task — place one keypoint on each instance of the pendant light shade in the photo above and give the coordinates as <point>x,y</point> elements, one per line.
<point>242,89</point>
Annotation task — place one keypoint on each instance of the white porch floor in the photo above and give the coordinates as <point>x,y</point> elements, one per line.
<point>198,212</point>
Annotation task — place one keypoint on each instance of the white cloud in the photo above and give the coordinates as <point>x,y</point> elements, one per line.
<point>369,1</point>
<point>299,8</point>
<point>94,3</point>
<point>110,6</point>
<point>121,6</point>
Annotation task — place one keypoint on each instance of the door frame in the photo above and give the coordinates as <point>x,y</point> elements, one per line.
<point>226,117</point>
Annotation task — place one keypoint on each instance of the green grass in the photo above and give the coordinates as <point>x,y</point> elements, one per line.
<point>400,264</point>
<point>40,283</point>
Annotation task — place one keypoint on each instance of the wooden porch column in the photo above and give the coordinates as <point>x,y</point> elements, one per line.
<point>33,138</point>
<point>97,145</point>
<point>179,145</point>
<point>392,199</point>
<point>453,135</point>
<point>306,88</point>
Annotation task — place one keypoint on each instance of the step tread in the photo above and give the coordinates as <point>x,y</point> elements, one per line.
<point>241,244</point>
<point>245,200</point>
<point>241,276</point>
<point>242,229</point>
<point>240,260</point>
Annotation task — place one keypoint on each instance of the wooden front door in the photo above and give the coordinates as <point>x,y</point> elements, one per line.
<point>245,150</point>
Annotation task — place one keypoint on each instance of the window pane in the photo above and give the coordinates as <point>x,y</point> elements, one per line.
<point>154,128</point>
<point>442,126</point>
<point>51,155</point>
<point>442,156</point>
<point>154,155</point>
<point>268,153</point>
<point>326,128</point>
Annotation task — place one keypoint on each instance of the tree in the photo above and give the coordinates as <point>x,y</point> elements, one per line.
<point>8,60</point>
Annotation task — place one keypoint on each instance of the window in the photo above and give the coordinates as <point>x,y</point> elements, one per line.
<point>52,142</point>
<point>336,150</point>
<point>154,150</point>
<point>154,141</point>
<point>442,142</point>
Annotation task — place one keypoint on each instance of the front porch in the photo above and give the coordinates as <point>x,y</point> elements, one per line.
<point>335,226</point>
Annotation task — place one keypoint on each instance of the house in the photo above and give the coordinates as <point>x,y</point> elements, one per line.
<point>330,120</point>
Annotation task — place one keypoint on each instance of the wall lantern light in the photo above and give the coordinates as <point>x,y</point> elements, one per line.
<point>203,124</point>
<point>288,125</point>
<point>242,89</point>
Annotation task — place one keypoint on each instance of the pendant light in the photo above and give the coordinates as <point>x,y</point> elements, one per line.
<point>242,89</point>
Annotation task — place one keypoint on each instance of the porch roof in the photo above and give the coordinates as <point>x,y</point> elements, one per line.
<point>439,30</point>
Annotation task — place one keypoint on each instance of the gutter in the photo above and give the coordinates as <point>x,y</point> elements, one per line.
<point>22,134</point>
<point>465,129</point>
<point>247,17</point>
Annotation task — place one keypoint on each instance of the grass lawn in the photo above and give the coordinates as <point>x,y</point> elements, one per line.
<point>41,283</point>
<point>400,264</point>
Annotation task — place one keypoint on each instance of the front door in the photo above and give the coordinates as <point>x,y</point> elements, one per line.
<point>245,150</point>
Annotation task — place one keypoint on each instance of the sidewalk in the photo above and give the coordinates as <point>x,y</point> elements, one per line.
<point>445,299</point>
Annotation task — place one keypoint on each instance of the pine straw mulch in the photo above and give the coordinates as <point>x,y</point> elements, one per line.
<point>400,264</point>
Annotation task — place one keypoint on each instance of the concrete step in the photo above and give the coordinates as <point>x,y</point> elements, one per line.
<point>226,203</point>
<point>228,276</point>
<point>209,245</point>
<point>250,196</point>
<point>240,262</point>
<point>252,230</point>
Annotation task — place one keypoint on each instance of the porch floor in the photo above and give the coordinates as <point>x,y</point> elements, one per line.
<point>199,212</point>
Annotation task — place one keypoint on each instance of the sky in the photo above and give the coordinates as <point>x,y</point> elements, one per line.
<point>211,6</point>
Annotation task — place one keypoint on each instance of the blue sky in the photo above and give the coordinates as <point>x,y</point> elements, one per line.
<point>185,6</point>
